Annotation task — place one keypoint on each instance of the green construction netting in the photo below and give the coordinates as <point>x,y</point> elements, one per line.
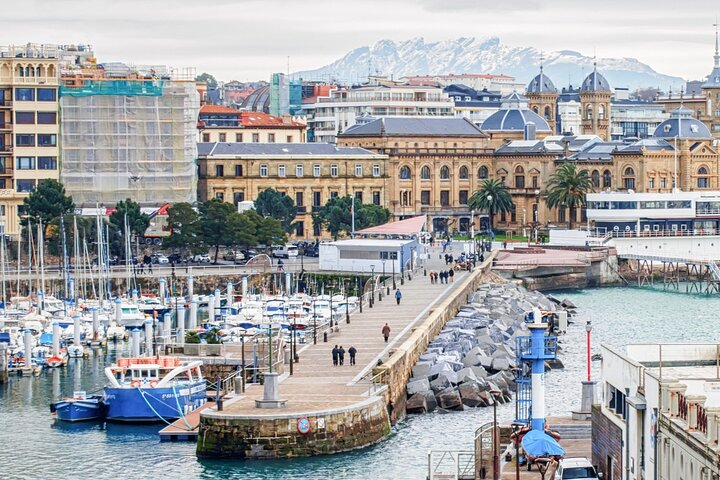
<point>145,88</point>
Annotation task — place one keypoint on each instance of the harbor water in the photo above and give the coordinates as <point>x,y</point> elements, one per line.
<point>38,447</point>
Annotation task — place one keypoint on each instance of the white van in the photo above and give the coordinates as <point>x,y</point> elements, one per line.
<point>285,251</point>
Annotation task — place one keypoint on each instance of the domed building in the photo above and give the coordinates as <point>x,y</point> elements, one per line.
<point>515,121</point>
<point>542,98</point>
<point>682,125</point>
<point>595,96</point>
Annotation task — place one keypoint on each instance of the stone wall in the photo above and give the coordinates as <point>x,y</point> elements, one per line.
<point>257,437</point>
<point>607,442</point>
<point>396,371</point>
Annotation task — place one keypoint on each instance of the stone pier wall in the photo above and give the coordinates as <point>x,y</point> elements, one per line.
<point>277,436</point>
<point>396,371</point>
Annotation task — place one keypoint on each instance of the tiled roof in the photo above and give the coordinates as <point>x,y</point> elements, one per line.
<point>260,119</point>
<point>217,109</point>
<point>409,226</point>
<point>424,126</point>
<point>280,149</point>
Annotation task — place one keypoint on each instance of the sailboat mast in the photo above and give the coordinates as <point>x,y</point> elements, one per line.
<point>41,256</point>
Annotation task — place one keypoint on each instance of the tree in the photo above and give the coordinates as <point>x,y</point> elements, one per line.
<point>270,231</point>
<point>493,197</point>
<point>336,215</point>
<point>209,80</point>
<point>184,223</point>
<point>215,218</point>
<point>243,228</point>
<point>137,223</point>
<point>567,188</point>
<point>47,203</point>
<point>271,203</point>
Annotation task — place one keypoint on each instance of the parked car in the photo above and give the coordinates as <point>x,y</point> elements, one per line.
<point>201,258</point>
<point>160,259</point>
<point>576,469</point>
<point>285,251</point>
<point>235,257</point>
<point>175,258</point>
<point>311,251</point>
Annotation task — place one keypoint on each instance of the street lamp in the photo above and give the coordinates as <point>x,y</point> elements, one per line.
<point>383,260</point>
<point>347,300</point>
<point>490,217</point>
<point>372,284</point>
<point>393,257</point>
<point>588,329</point>
<point>314,321</point>
<point>536,214</point>
<point>496,436</point>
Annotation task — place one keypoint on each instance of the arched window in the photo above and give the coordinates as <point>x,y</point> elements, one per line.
<point>535,109</point>
<point>595,176</point>
<point>607,179</point>
<point>463,173</point>
<point>519,177</point>
<point>425,173</point>
<point>629,178</point>
<point>703,181</point>
<point>588,113</point>
<point>548,113</point>
<point>444,173</point>
<point>483,172</point>
<point>405,173</point>
<point>601,112</point>
<point>20,71</point>
<point>29,71</point>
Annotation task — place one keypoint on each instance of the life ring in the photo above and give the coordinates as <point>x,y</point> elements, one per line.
<point>135,383</point>
<point>153,383</point>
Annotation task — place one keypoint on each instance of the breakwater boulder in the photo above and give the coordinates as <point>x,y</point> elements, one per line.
<point>474,354</point>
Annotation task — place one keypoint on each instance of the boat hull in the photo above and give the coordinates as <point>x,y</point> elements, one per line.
<point>78,410</point>
<point>137,404</point>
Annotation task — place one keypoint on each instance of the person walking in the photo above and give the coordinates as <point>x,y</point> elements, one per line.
<point>335,355</point>
<point>386,332</point>
<point>341,355</point>
<point>451,274</point>
<point>398,296</point>
<point>352,351</point>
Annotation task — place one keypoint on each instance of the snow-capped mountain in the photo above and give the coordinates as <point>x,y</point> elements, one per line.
<point>473,55</point>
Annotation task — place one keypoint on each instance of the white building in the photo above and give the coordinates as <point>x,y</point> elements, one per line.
<point>504,84</point>
<point>341,110</point>
<point>659,415</point>
<point>370,255</point>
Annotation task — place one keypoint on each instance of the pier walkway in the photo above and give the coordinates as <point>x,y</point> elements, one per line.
<point>317,385</point>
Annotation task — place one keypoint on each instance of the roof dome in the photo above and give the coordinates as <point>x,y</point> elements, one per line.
<point>681,124</point>
<point>541,84</point>
<point>514,115</point>
<point>595,82</point>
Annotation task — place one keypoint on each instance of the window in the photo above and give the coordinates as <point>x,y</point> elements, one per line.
<point>607,179</point>
<point>358,170</point>
<point>404,198</point>
<point>376,170</point>
<point>238,171</point>
<point>299,199</point>
<point>25,118</point>
<point>47,163</point>
<point>463,173</point>
<point>616,400</point>
<point>595,177</point>
<point>220,196</point>
<point>463,197</point>
<point>271,138</point>
<point>256,137</point>
<point>519,177</point>
<point>46,140</point>
<point>651,182</point>
<point>223,136</point>
<point>334,170</point>
<point>46,94</point>
<point>589,113</point>
<point>281,170</point>
<point>299,229</point>
<point>316,229</point>
<point>316,170</point>
<point>333,194</point>
<point>289,139</point>
<point>25,140</point>
<point>25,163</point>
<point>298,171</point>
<point>663,182</point>
<point>238,137</point>
<point>405,173</point>
<point>483,172</point>
<point>317,199</point>
<point>25,185</point>
<point>703,181</point>
<point>629,178</point>
<point>535,181</point>
<point>263,170</point>
<point>376,198</point>
<point>359,197</point>
<point>444,173</point>
<point>25,94</point>
<point>206,137</point>
<point>444,198</point>
<point>238,197</point>
<point>219,170</point>
<point>425,197</point>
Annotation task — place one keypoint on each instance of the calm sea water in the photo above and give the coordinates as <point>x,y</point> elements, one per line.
<point>36,447</point>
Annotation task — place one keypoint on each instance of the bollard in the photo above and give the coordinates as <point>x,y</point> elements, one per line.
<point>56,338</point>
<point>218,303</point>
<point>193,314</point>
<point>161,291</point>
<point>76,330</point>
<point>135,342</point>
<point>181,318</point>
<point>218,395</point>
<point>211,308</point>
<point>230,295</point>
<point>118,311</point>
<point>27,355</point>
<point>148,337</point>
<point>95,323</point>
<point>190,287</point>
<point>167,328</point>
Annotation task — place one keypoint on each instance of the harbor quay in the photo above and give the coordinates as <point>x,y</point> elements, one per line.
<point>328,409</point>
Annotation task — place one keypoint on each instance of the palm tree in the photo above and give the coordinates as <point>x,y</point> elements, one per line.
<point>567,187</point>
<point>493,197</point>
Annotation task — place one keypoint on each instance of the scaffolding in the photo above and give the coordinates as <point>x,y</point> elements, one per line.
<point>129,138</point>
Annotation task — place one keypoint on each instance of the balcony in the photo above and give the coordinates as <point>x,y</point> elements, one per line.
<point>6,104</point>
<point>6,169</point>
<point>5,127</point>
<point>7,148</point>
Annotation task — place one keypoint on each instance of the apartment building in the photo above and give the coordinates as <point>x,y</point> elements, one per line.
<point>218,123</point>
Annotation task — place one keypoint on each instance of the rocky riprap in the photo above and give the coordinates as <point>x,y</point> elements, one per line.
<point>475,351</point>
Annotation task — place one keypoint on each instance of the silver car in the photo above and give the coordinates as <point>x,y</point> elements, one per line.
<point>576,469</point>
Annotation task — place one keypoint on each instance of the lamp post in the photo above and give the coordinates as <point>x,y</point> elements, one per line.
<point>496,437</point>
<point>360,291</point>
<point>314,321</point>
<point>347,300</point>
<point>383,260</point>
<point>588,329</point>
<point>372,285</point>
<point>393,257</point>
<point>490,211</point>
<point>536,214</point>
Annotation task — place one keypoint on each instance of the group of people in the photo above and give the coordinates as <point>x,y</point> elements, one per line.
<point>441,276</point>
<point>338,355</point>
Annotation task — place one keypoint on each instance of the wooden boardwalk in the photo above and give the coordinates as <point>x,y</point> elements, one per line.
<point>184,429</point>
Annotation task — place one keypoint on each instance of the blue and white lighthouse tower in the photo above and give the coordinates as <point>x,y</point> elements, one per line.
<point>532,352</point>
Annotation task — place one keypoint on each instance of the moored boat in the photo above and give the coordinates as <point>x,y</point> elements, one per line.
<point>81,407</point>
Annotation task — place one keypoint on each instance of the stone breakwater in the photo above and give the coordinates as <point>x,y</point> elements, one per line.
<point>474,353</point>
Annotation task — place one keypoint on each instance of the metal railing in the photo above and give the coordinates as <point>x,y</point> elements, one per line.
<point>702,232</point>
<point>451,465</point>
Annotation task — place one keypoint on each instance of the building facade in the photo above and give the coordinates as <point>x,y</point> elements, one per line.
<point>217,123</point>
<point>29,78</point>
<point>310,173</point>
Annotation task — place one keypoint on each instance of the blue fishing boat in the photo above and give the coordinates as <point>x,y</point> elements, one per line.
<point>152,389</point>
<point>80,408</point>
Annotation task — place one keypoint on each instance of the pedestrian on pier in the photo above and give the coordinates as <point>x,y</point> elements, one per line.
<point>398,296</point>
<point>335,355</point>
<point>341,355</point>
<point>352,351</point>
<point>451,274</point>
<point>386,330</point>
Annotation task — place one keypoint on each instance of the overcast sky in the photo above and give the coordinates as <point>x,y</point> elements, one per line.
<point>249,39</point>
